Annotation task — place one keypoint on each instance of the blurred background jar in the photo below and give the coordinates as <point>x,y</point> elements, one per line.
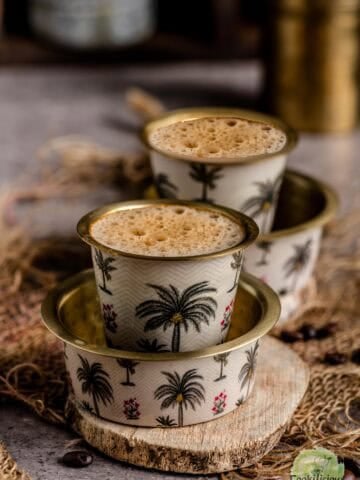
<point>87,24</point>
<point>312,63</point>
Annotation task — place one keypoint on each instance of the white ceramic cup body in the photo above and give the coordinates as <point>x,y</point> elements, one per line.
<point>285,263</point>
<point>251,188</point>
<point>142,393</point>
<point>208,286</point>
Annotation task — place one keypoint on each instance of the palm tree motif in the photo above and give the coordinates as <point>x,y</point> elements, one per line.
<point>104,265</point>
<point>260,205</point>
<point>296,264</point>
<point>265,246</point>
<point>94,382</point>
<point>164,187</point>
<point>109,316</point>
<point>247,372</point>
<point>145,345</point>
<point>207,176</point>
<point>87,407</point>
<point>166,421</point>
<point>129,366</point>
<point>236,265</point>
<point>181,392</point>
<point>222,358</point>
<point>178,310</point>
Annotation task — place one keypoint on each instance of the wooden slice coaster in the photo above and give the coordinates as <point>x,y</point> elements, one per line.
<point>236,440</point>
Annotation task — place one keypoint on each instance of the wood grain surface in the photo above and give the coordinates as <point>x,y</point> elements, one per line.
<point>238,439</point>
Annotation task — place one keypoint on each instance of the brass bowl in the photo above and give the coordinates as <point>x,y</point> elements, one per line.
<point>152,388</point>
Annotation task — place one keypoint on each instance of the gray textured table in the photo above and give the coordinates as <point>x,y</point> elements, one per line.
<point>38,104</point>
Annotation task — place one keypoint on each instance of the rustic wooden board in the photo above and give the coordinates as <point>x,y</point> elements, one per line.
<point>238,439</point>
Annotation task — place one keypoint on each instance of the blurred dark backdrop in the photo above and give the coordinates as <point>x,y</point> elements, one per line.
<point>183,29</point>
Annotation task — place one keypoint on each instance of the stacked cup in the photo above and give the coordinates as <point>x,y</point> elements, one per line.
<point>167,274</point>
<point>167,271</point>
<point>172,336</point>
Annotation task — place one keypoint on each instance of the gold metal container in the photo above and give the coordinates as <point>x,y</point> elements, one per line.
<point>312,63</point>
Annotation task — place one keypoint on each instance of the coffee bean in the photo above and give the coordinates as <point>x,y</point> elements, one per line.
<point>353,466</point>
<point>355,356</point>
<point>354,409</point>
<point>325,331</point>
<point>291,336</point>
<point>335,358</point>
<point>309,331</point>
<point>349,475</point>
<point>77,459</point>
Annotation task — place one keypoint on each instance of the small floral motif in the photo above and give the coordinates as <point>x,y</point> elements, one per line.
<point>109,317</point>
<point>131,409</point>
<point>219,403</point>
<point>227,316</point>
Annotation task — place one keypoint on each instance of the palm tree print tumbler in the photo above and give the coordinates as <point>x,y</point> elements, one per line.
<point>181,391</point>
<point>158,294</point>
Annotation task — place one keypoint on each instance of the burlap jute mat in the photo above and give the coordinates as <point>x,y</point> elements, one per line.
<point>32,368</point>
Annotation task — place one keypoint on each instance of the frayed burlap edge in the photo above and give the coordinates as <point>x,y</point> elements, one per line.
<point>8,467</point>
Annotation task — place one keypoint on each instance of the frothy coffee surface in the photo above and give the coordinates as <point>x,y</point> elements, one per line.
<point>218,138</point>
<point>167,231</point>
